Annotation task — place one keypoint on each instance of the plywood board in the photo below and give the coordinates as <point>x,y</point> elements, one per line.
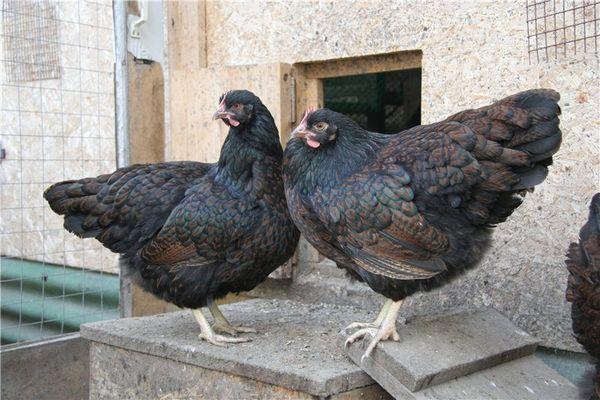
<point>362,65</point>
<point>146,112</point>
<point>186,34</point>
<point>194,96</point>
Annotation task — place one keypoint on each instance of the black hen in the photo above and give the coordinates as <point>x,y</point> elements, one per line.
<point>410,211</point>
<point>193,231</point>
<point>583,287</point>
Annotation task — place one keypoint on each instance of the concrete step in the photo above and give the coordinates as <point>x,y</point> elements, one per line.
<point>478,354</point>
<point>296,356</point>
<point>438,349</point>
<point>526,378</point>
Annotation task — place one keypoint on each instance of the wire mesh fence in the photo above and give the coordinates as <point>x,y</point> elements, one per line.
<point>561,28</point>
<point>387,102</point>
<point>57,123</point>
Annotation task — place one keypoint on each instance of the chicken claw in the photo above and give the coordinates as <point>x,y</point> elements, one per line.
<point>220,340</point>
<point>222,324</point>
<point>387,331</point>
<point>376,323</point>
<point>361,333</point>
<point>360,325</point>
<point>383,328</point>
<point>207,333</point>
<point>232,330</point>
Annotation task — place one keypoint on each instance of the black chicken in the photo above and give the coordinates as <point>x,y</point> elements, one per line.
<point>193,231</point>
<point>583,287</point>
<point>410,211</point>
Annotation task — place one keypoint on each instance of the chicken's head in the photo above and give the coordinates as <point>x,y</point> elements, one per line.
<point>317,127</point>
<point>236,107</point>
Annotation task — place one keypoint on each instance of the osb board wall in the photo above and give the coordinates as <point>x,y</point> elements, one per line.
<point>473,52</point>
<point>195,97</point>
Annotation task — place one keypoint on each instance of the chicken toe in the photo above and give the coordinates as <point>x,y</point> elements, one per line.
<point>207,333</point>
<point>387,330</point>
<point>220,340</point>
<point>376,323</point>
<point>359,334</point>
<point>222,324</point>
<point>232,330</point>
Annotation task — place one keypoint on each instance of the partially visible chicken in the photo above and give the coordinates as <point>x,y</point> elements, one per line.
<point>583,287</point>
<point>409,212</point>
<point>194,232</point>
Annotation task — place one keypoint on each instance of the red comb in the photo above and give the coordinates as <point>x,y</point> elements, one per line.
<point>308,111</point>
<point>222,103</point>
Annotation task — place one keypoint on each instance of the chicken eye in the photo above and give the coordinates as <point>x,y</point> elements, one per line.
<point>320,126</point>
<point>237,106</point>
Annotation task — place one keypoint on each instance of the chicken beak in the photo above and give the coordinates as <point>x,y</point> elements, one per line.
<point>227,116</point>
<point>302,134</point>
<point>308,136</point>
<point>220,113</point>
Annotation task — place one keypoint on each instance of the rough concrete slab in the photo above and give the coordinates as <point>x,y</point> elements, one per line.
<point>56,368</point>
<point>295,348</point>
<point>527,378</point>
<point>436,350</point>
<point>133,375</point>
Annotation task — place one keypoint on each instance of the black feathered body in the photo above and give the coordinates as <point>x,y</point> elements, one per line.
<point>583,287</point>
<point>192,230</point>
<point>408,212</point>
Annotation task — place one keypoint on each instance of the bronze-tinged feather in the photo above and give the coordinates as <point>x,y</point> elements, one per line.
<point>165,250</point>
<point>511,115</point>
<point>496,130</point>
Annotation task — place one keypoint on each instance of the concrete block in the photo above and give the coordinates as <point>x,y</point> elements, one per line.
<point>526,378</point>
<point>295,356</point>
<point>295,353</point>
<point>56,368</point>
<point>438,349</point>
<point>133,375</point>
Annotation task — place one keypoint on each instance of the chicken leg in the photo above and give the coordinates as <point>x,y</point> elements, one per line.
<point>221,323</point>
<point>375,323</point>
<point>386,328</point>
<point>207,333</point>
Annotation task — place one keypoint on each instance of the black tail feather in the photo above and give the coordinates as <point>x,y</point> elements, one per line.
<point>526,126</point>
<point>74,199</point>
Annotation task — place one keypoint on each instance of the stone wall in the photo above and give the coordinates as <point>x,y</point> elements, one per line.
<point>473,53</point>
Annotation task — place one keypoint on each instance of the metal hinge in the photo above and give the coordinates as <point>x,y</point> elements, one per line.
<point>293,98</point>
<point>146,39</point>
<point>2,153</point>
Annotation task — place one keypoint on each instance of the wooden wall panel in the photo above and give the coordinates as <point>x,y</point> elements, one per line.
<point>146,112</point>
<point>194,97</point>
<point>362,65</point>
<point>186,32</point>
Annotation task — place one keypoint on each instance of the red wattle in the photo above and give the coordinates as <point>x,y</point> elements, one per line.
<point>312,143</point>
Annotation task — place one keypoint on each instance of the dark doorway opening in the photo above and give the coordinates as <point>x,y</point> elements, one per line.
<point>387,102</point>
